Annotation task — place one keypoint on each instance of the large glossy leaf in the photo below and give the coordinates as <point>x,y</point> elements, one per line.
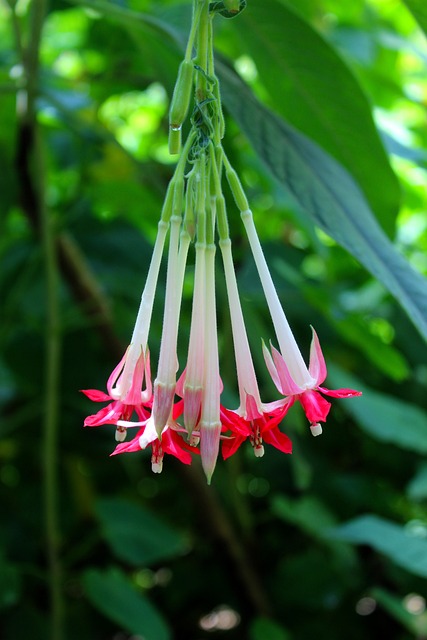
<point>313,89</point>
<point>112,594</point>
<point>319,184</point>
<point>419,10</point>
<point>383,416</point>
<point>325,190</point>
<point>401,544</point>
<point>135,535</point>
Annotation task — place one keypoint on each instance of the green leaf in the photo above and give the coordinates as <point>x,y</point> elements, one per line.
<point>114,596</point>
<point>135,535</point>
<point>130,18</point>
<point>417,488</point>
<point>325,190</point>
<point>384,356</point>
<point>308,513</point>
<point>384,417</point>
<point>266,629</point>
<point>399,544</point>
<point>418,8</point>
<point>296,66</point>
<point>415,623</point>
<point>157,37</point>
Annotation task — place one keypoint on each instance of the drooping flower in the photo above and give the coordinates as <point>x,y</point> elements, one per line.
<point>258,427</point>
<point>316,408</point>
<point>135,398</point>
<point>170,442</point>
<point>164,385</point>
<point>287,367</point>
<point>253,419</point>
<point>190,384</point>
<point>210,419</point>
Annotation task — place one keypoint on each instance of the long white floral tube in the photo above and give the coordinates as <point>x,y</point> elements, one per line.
<point>288,346</point>
<point>246,376</point>
<point>210,423</point>
<point>141,329</point>
<point>164,385</point>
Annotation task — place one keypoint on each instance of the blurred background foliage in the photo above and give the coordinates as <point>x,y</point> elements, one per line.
<point>328,542</point>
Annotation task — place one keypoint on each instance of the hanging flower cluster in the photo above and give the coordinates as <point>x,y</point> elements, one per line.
<point>185,415</point>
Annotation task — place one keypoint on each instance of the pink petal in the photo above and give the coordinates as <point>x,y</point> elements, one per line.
<point>270,365</point>
<point>252,411</point>
<point>133,396</point>
<point>317,368</point>
<point>340,393</point>
<point>279,440</point>
<point>316,408</point>
<point>229,446</point>
<point>95,395</point>
<point>179,389</point>
<point>272,407</point>
<point>235,423</point>
<point>147,394</point>
<point>287,384</point>
<point>129,446</point>
<point>142,413</point>
<point>172,443</point>
<point>115,374</point>
<point>108,415</point>
<point>178,409</point>
<point>274,419</point>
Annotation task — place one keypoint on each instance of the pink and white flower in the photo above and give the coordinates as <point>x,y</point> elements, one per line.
<point>253,419</point>
<point>287,367</point>
<point>170,442</point>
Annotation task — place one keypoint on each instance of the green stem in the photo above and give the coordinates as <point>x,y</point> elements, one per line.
<point>202,49</point>
<point>32,156</point>
<point>50,440</point>
<point>197,7</point>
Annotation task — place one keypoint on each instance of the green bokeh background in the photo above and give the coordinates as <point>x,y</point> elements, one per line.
<point>330,542</point>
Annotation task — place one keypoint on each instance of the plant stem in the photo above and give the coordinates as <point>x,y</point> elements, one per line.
<point>202,50</point>
<point>31,169</point>
<point>50,436</point>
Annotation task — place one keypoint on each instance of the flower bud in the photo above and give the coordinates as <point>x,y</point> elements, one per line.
<point>179,105</point>
<point>237,190</point>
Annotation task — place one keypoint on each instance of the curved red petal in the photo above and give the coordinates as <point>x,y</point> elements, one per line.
<point>172,443</point>
<point>288,386</point>
<point>235,423</point>
<point>317,367</point>
<point>95,395</point>
<point>129,446</point>
<point>278,439</point>
<point>116,373</point>
<point>229,446</point>
<point>340,393</point>
<point>108,415</point>
<point>316,408</point>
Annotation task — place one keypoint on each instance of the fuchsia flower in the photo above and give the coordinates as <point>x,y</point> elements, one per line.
<point>287,367</point>
<point>134,400</point>
<point>258,427</point>
<point>316,408</point>
<point>253,419</point>
<point>170,442</point>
